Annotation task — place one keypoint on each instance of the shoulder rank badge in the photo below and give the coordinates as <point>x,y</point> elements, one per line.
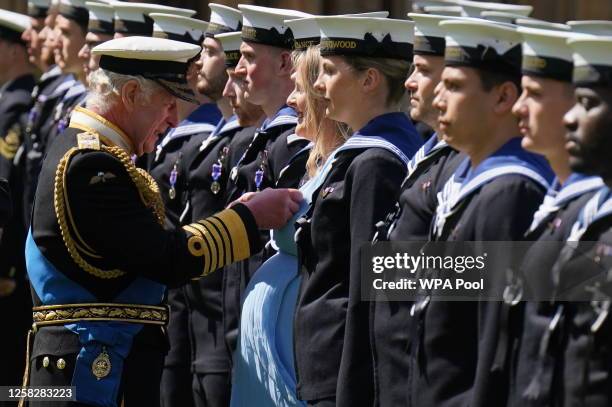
<point>88,141</point>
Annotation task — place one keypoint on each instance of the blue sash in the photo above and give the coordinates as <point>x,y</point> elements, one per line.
<point>54,288</point>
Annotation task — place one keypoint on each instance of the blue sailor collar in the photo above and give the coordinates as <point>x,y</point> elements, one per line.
<point>559,195</point>
<point>66,84</point>
<point>431,146</point>
<point>50,73</point>
<point>76,90</point>
<point>391,131</point>
<point>202,120</point>
<point>285,115</point>
<point>222,128</point>
<point>511,158</point>
<point>598,207</point>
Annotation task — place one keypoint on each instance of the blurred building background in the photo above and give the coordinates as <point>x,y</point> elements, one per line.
<point>552,10</point>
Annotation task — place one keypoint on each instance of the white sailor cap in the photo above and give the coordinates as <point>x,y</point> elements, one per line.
<point>223,19</point>
<point>75,10</point>
<point>158,59</point>
<point>595,27</point>
<point>101,18</point>
<point>483,45</point>
<point>230,42</point>
<point>592,61</point>
<point>503,17</point>
<point>428,35</point>
<point>366,36</point>
<point>306,31</point>
<point>133,18</point>
<point>178,28</point>
<point>418,6</point>
<point>12,25</point>
<point>544,25</point>
<point>266,25</point>
<point>38,8</point>
<point>474,8</point>
<point>546,53</point>
<point>453,11</point>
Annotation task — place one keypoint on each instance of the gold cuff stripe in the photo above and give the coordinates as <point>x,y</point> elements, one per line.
<point>219,242</point>
<point>212,250</point>
<point>225,237</point>
<point>237,232</point>
<point>205,254</point>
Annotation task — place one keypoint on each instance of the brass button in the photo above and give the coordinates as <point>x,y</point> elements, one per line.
<point>61,364</point>
<point>46,361</point>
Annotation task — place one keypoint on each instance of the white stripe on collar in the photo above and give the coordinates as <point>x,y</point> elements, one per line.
<point>361,141</point>
<point>281,120</point>
<point>188,130</point>
<point>62,87</point>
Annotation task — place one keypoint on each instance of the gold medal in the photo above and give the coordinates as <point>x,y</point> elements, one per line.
<point>101,366</point>
<point>215,187</point>
<point>172,193</point>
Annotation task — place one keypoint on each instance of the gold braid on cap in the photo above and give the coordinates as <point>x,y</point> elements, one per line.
<point>147,189</point>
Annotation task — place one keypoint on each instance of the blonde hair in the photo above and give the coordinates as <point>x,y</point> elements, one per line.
<point>395,72</point>
<point>328,134</point>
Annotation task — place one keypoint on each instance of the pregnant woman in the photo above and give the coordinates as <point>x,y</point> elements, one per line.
<point>264,373</point>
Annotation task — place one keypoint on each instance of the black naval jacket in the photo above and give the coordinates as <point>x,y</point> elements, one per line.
<point>410,220</point>
<point>112,208</point>
<point>6,203</point>
<point>584,365</point>
<point>453,344</point>
<point>534,353</point>
<point>173,155</point>
<point>331,329</point>
<point>268,152</point>
<point>15,98</point>
<point>46,95</point>
<point>203,296</point>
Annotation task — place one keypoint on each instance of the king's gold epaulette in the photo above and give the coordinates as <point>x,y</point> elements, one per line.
<point>145,184</point>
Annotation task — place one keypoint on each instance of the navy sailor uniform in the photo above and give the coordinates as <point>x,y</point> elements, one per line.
<point>330,318</point>
<point>409,220</point>
<point>535,353</point>
<point>453,345</point>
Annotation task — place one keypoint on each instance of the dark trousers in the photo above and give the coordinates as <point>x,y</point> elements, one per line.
<point>139,382</point>
<point>212,389</point>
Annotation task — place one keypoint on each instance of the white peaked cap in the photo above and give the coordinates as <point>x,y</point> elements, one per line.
<point>474,8</point>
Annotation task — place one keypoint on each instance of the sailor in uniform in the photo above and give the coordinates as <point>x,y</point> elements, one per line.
<point>100,28</point>
<point>197,116</point>
<point>583,368</point>
<point>265,71</point>
<point>411,217</point>
<point>547,95</point>
<point>37,10</point>
<point>47,93</point>
<point>364,59</point>
<point>17,82</point>
<point>170,167</point>
<point>492,195</point>
<point>98,255</point>
<point>249,117</point>
<point>207,359</point>
<point>71,25</point>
